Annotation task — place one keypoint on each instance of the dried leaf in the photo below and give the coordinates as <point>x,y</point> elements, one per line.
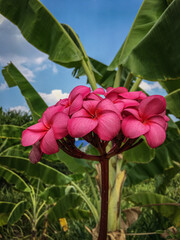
<point>63,224</point>
<point>117,235</point>
<point>170,231</point>
<point>132,215</point>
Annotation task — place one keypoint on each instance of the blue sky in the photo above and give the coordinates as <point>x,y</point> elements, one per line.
<point>102,26</point>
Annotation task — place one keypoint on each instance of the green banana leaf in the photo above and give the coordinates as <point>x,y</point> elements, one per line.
<point>65,203</point>
<point>75,165</point>
<point>17,212</point>
<point>47,174</point>
<point>147,16</point>
<point>103,77</point>
<point>53,193</point>
<point>14,78</point>
<point>5,209</point>
<point>151,49</point>
<point>13,178</point>
<point>167,207</point>
<point>165,155</point>
<point>170,85</point>
<point>42,30</point>
<point>173,102</point>
<point>140,154</point>
<point>11,131</point>
<point>16,150</point>
<point>78,214</point>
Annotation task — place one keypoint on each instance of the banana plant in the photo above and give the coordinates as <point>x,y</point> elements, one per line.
<point>143,55</point>
<point>40,202</point>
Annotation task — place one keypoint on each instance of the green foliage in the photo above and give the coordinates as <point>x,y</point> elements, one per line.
<point>56,42</point>
<point>14,78</point>
<point>151,35</point>
<point>50,194</point>
<point>17,118</point>
<point>137,154</point>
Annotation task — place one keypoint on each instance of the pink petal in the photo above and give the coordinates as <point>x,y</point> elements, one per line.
<point>119,106</point>
<point>100,91</point>
<point>108,126</point>
<point>83,90</point>
<point>49,113</point>
<point>142,96</point>
<point>33,134</point>
<point>59,125</point>
<point>131,95</point>
<point>155,136</point>
<point>113,96</point>
<point>106,105</point>
<point>129,103</point>
<point>90,106</point>
<point>79,127</point>
<point>76,104</point>
<point>133,128</point>
<point>81,113</point>
<point>36,153</point>
<point>132,111</point>
<point>166,118</point>
<point>63,102</point>
<point>93,96</point>
<point>151,106</point>
<point>116,90</point>
<point>113,93</point>
<point>159,120</point>
<point>38,127</point>
<point>109,89</point>
<point>48,144</point>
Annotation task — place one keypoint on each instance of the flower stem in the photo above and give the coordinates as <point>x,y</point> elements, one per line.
<point>117,80</point>
<point>128,80</point>
<point>136,84</point>
<point>104,199</point>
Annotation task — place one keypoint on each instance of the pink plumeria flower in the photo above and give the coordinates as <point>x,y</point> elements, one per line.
<point>147,120</point>
<point>74,102</point>
<point>95,95</point>
<point>51,127</point>
<point>137,95</point>
<point>97,116</point>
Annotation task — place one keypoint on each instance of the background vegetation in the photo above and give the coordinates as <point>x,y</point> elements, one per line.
<point>37,200</point>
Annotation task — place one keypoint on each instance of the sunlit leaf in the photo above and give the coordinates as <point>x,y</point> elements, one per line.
<point>47,174</point>
<point>17,212</point>
<point>173,102</point>
<point>167,207</point>
<point>44,32</point>
<point>140,154</point>
<point>151,50</point>
<point>14,78</point>
<point>14,179</point>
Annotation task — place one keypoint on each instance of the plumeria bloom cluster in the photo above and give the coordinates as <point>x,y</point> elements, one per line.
<point>99,117</point>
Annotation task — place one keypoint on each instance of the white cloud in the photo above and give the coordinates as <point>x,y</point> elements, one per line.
<point>14,48</point>
<point>3,86</point>
<point>40,60</point>
<point>19,108</point>
<point>53,97</point>
<point>149,87</point>
<point>54,69</point>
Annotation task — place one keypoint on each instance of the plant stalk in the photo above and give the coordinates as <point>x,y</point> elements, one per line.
<point>89,74</point>
<point>136,84</point>
<point>128,80</point>
<point>117,80</point>
<point>104,199</point>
